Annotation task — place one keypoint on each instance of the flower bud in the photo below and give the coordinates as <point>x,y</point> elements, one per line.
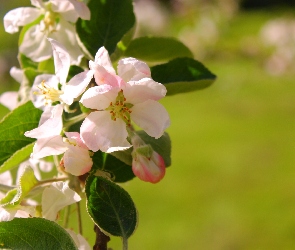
<point>147,164</point>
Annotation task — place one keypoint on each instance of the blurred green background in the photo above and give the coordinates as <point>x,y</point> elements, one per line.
<point>232,180</point>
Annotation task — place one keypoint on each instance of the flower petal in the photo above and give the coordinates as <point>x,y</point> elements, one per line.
<point>66,10</point>
<point>100,132</point>
<point>76,86</point>
<point>131,69</point>
<point>9,99</point>
<point>77,160</point>
<point>144,89</point>
<point>55,197</point>
<point>17,74</point>
<point>19,17</point>
<point>102,58</point>
<point>35,45</point>
<point>151,116</point>
<point>62,60</point>
<point>99,97</point>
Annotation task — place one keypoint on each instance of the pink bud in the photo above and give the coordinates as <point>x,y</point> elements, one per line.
<point>149,169</point>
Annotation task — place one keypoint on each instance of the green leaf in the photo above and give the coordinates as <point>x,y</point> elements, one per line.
<point>74,70</point>
<point>110,207</point>
<point>31,74</point>
<point>18,157</point>
<point>47,66</point>
<point>183,75</point>
<point>13,126</point>
<point>162,145</point>
<point>25,184</point>
<point>110,20</point>
<point>121,171</point>
<point>157,49</point>
<point>26,62</point>
<point>34,233</point>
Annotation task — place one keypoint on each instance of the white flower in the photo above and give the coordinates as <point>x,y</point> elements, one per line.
<point>80,241</point>
<point>119,99</point>
<point>46,88</point>
<point>54,16</point>
<point>55,197</point>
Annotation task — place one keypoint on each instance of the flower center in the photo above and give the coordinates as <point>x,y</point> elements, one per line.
<point>50,94</point>
<point>120,109</point>
<point>49,22</point>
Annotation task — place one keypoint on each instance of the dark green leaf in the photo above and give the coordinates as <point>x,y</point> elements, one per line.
<point>183,75</point>
<point>13,126</point>
<point>162,145</point>
<point>157,49</point>
<point>110,20</point>
<point>74,70</point>
<point>34,233</point>
<point>121,171</point>
<point>110,207</point>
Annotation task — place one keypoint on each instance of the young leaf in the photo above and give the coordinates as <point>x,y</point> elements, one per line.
<point>182,75</point>
<point>34,233</point>
<point>12,129</point>
<point>110,207</point>
<point>157,49</point>
<point>110,20</point>
<point>18,157</point>
<point>26,62</point>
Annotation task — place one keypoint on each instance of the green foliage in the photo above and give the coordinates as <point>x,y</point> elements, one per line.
<point>34,233</point>
<point>157,49</point>
<point>182,75</point>
<point>110,207</point>
<point>110,20</point>
<point>13,126</point>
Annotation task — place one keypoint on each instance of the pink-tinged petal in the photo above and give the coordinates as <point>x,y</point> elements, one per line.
<point>55,197</point>
<point>53,145</point>
<point>102,76</point>
<point>77,160</point>
<point>17,74</point>
<point>81,9</point>
<point>143,90</point>
<point>66,35</point>
<point>48,127</point>
<point>62,60</point>
<point>35,45</point>
<point>9,99</point>
<point>149,169</point>
<point>99,97</point>
<point>76,86</point>
<point>152,117</point>
<point>20,17</point>
<point>102,58</point>
<point>6,178</point>
<point>131,69</point>
<point>80,241</point>
<point>100,132</point>
<point>75,138</point>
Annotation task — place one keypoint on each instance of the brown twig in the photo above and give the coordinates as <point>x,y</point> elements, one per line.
<point>101,240</point>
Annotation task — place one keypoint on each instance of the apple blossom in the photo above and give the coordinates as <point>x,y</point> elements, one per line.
<point>55,197</point>
<point>120,99</point>
<point>46,90</point>
<point>80,241</point>
<point>53,19</point>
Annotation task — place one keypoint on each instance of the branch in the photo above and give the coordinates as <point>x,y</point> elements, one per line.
<point>101,239</point>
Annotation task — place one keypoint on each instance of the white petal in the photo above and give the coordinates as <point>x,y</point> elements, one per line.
<point>102,58</point>
<point>35,45</point>
<point>55,197</point>
<point>80,241</point>
<point>77,160</point>
<point>6,215</point>
<point>81,9</point>
<point>49,146</point>
<point>99,97</point>
<point>38,3</point>
<point>62,60</point>
<point>66,35</point>
<point>76,86</point>
<point>6,178</point>
<point>66,10</point>
<point>152,117</point>
<point>143,90</point>
<point>9,99</point>
<point>100,132</point>
<point>19,17</point>
<point>48,127</point>
<point>17,74</point>
<point>131,69</point>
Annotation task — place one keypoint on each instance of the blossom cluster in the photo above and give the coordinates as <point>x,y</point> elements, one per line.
<point>111,103</point>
